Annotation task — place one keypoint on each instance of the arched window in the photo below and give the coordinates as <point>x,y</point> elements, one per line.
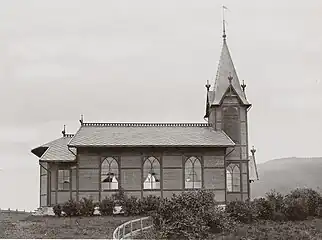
<point>109,174</point>
<point>151,173</point>
<point>231,124</point>
<point>233,177</point>
<point>192,173</point>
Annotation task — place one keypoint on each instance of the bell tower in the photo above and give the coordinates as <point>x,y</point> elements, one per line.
<point>226,110</point>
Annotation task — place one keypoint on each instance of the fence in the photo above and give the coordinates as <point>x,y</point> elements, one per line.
<point>132,228</point>
<point>11,211</point>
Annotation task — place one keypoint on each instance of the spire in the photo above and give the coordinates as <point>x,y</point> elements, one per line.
<point>227,69</point>
<point>224,22</point>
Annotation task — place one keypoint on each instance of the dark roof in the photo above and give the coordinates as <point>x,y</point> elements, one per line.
<point>149,135</point>
<point>56,150</point>
<point>226,68</point>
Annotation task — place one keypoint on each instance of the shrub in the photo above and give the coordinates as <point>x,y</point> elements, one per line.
<point>240,211</point>
<point>119,198</point>
<point>313,199</point>
<point>87,207</point>
<point>106,206</point>
<point>57,210</point>
<point>319,211</point>
<point>185,216</point>
<point>149,204</point>
<point>71,208</point>
<point>263,208</point>
<point>276,200</point>
<point>295,208</point>
<point>131,206</point>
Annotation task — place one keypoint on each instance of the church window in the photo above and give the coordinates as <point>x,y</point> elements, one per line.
<point>192,173</point>
<point>151,173</point>
<point>63,179</point>
<point>109,174</point>
<point>233,177</point>
<point>231,123</point>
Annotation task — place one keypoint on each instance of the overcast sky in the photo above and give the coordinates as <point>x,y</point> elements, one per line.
<point>148,60</point>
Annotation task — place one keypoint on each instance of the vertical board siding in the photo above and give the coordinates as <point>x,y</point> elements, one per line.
<point>88,161</point>
<point>53,176</point>
<point>43,200</point>
<point>214,161</point>
<point>131,179</point>
<point>220,195</point>
<point>53,198</point>
<point>153,193</point>
<point>234,197</point>
<point>172,161</point>
<point>63,197</point>
<point>74,179</point>
<point>43,184</point>
<point>88,179</point>
<point>243,133</point>
<point>172,178</point>
<point>131,161</point>
<point>214,178</point>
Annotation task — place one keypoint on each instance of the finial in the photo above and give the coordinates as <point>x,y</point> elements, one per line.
<point>243,86</point>
<point>224,22</point>
<point>253,150</point>
<point>208,85</point>
<point>81,119</point>
<point>64,131</point>
<point>230,78</point>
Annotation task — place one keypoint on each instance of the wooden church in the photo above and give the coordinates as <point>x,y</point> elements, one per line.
<point>157,158</point>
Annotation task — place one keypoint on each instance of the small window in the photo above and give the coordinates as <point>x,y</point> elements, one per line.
<point>192,173</point>
<point>233,177</point>
<point>151,172</point>
<point>109,174</point>
<point>64,179</point>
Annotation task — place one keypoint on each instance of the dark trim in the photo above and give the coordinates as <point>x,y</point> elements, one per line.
<point>161,174</point>
<point>172,167</point>
<point>130,168</point>
<point>214,167</point>
<point>77,179</point>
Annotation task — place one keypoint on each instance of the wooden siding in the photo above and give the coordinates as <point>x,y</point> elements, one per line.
<point>131,179</point>
<point>173,178</point>
<point>214,161</point>
<point>89,179</point>
<point>172,161</point>
<point>214,178</point>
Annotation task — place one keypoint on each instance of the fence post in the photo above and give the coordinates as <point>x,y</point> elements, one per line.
<point>131,227</point>
<point>123,231</point>
<point>141,226</point>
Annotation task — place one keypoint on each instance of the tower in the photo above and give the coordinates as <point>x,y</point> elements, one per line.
<point>226,109</point>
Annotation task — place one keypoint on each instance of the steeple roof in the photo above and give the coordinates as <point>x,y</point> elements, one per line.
<point>226,68</point>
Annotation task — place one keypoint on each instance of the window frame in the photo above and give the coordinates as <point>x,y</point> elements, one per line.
<point>109,170</point>
<point>152,169</point>
<point>188,158</point>
<point>63,179</point>
<point>233,179</point>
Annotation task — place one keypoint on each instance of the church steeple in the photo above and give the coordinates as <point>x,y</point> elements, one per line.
<point>226,69</point>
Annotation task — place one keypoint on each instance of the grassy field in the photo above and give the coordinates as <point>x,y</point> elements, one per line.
<point>267,230</point>
<point>54,227</point>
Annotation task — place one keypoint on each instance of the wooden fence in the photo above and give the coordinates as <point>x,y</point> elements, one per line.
<point>131,228</point>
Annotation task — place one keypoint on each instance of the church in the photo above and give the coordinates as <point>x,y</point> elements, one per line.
<point>158,159</point>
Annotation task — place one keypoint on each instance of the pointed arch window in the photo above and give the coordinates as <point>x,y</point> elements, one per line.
<point>193,173</point>
<point>233,177</point>
<point>109,174</point>
<point>151,173</point>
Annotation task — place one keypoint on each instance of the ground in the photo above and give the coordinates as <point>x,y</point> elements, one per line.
<point>53,227</point>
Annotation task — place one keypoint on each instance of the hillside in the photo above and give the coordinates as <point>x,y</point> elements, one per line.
<point>288,173</point>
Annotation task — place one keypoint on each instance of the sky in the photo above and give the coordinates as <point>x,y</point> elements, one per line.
<point>148,61</point>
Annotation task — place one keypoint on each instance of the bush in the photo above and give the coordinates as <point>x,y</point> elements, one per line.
<point>295,208</point>
<point>106,206</point>
<point>72,208</point>
<point>119,198</point>
<point>149,204</point>
<point>313,199</point>
<point>131,206</point>
<point>185,216</point>
<point>263,208</point>
<point>240,211</point>
<point>57,210</point>
<point>87,207</point>
<point>276,199</point>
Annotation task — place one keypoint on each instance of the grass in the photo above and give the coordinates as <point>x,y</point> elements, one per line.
<point>267,230</point>
<point>53,227</point>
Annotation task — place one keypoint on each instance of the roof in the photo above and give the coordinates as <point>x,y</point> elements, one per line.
<point>56,150</point>
<point>149,135</point>
<point>226,68</point>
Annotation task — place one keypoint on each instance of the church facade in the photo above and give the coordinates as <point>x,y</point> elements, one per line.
<point>156,158</point>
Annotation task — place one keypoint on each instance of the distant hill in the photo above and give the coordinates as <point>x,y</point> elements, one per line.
<point>286,174</point>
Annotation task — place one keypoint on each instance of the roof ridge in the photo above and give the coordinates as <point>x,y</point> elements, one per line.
<point>102,124</point>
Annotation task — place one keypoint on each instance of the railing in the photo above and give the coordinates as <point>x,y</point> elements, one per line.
<point>11,211</point>
<point>131,228</point>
